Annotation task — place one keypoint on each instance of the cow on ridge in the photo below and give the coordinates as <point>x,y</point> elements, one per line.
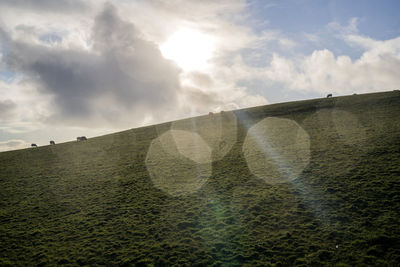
<point>81,138</point>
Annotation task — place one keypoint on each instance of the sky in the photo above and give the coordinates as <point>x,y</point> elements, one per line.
<point>71,67</point>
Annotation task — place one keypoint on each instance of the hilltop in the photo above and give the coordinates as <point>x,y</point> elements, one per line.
<point>302,183</point>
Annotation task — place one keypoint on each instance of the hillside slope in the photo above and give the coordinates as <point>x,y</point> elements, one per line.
<point>300,183</point>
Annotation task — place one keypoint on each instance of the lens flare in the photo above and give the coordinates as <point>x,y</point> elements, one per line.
<point>179,162</point>
<point>348,127</point>
<point>276,150</point>
<point>218,130</point>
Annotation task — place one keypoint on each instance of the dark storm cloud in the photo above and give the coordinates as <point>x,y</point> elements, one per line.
<point>201,79</point>
<point>201,98</point>
<point>46,5</point>
<point>123,72</point>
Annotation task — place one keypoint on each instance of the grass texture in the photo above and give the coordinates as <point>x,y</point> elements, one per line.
<point>143,197</point>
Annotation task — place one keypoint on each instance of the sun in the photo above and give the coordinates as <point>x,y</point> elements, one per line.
<point>190,49</point>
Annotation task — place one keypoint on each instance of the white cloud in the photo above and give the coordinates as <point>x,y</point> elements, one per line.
<point>350,28</point>
<point>13,144</point>
<point>312,37</point>
<point>376,70</point>
<point>7,108</point>
<point>27,108</point>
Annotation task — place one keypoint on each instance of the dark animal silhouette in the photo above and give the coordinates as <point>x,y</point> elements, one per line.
<point>81,138</point>
<point>52,142</point>
<point>329,95</point>
<point>210,113</point>
<point>33,145</point>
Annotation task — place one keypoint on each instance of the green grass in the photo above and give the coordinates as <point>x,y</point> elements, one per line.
<point>94,203</point>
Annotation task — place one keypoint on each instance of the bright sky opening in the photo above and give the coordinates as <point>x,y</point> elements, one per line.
<point>189,49</point>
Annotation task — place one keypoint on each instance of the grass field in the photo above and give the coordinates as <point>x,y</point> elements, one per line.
<point>319,183</point>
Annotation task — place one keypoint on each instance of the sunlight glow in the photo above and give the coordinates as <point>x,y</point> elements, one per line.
<point>190,49</point>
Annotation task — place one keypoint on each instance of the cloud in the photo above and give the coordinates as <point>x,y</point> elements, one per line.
<point>221,19</point>
<point>29,108</point>
<point>12,144</point>
<point>122,78</point>
<point>113,74</point>
<point>199,10</point>
<point>7,108</point>
<point>47,5</point>
<point>322,71</point>
<point>360,41</point>
<point>350,28</point>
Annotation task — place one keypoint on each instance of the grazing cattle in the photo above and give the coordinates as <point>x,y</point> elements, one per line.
<point>33,145</point>
<point>81,138</point>
<point>329,95</point>
<point>52,142</point>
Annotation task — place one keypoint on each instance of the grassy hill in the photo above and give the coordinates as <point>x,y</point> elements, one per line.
<point>318,183</point>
